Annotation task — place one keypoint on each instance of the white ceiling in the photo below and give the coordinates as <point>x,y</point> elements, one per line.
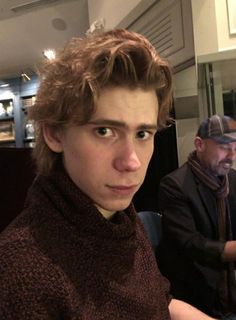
<point>27,27</point>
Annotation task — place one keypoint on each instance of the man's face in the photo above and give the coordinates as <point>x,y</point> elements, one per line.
<point>108,157</point>
<point>218,157</point>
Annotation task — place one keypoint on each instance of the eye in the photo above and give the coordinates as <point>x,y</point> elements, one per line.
<point>104,132</point>
<point>224,147</point>
<point>144,135</point>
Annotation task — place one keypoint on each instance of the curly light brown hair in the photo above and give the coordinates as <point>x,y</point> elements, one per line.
<point>71,83</point>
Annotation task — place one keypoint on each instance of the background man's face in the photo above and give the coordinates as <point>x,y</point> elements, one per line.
<point>108,157</point>
<point>218,157</point>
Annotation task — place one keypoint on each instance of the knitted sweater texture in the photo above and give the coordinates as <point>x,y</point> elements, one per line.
<point>61,259</point>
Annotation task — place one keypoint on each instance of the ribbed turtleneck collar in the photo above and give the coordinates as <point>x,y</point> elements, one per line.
<point>61,193</point>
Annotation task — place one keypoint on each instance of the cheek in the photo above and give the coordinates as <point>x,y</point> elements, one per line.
<point>75,158</point>
<point>91,161</point>
<point>145,155</point>
<point>219,156</point>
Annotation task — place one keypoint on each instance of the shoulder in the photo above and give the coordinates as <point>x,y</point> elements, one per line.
<point>179,176</point>
<point>29,280</point>
<point>18,253</point>
<point>178,185</point>
<point>232,174</point>
<point>23,262</point>
<point>30,283</point>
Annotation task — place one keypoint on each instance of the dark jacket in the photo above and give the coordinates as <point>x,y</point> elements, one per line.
<point>190,252</point>
<point>61,259</point>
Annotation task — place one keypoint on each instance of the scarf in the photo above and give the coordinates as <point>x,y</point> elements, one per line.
<point>220,189</point>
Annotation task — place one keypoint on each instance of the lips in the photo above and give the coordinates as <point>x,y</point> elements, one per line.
<point>123,190</point>
<point>227,164</point>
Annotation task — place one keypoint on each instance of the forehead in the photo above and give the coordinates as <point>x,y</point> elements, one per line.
<point>214,145</point>
<point>127,105</point>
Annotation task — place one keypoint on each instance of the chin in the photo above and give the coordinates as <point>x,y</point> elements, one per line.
<point>223,172</point>
<point>119,207</point>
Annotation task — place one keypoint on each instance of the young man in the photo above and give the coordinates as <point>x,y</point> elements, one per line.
<point>78,250</point>
<point>198,203</point>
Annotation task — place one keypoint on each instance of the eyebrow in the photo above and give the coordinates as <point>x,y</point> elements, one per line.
<point>121,124</point>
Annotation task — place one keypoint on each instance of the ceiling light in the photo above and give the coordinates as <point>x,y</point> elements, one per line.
<point>25,77</point>
<point>4,85</point>
<point>49,54</point>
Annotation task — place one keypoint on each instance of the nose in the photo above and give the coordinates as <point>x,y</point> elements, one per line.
<point>232,154</point>
<point>127,159</point>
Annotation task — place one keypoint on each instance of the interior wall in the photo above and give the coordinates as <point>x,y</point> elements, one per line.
<point>185,82</point>
<point>204,26</point>
<point>112,11</point>
<point>211,27</point>
<point>225,39</point>
<point>186,111</point>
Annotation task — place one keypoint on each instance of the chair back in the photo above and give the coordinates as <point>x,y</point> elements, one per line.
<point>152,222</point>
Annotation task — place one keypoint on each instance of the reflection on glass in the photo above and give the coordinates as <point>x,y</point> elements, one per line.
<point>219,83</point>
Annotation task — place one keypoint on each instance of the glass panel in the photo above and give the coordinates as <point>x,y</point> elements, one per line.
<point>217,87</point>
<point>217,81</point>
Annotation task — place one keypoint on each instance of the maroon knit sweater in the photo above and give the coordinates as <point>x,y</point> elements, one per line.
<point>60,259</point>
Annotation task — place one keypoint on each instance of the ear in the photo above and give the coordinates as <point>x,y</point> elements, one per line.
<point>52,137</point>
<point>199,144</point>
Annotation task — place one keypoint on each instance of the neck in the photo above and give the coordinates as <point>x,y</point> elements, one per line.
<point>105,213</point>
